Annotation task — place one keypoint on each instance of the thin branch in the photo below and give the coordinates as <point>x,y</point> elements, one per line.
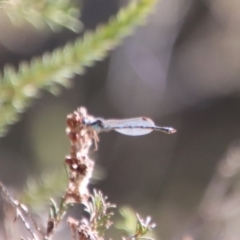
<point>20,211</point>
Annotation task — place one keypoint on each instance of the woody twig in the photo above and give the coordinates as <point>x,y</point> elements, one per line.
<point>79,166</point>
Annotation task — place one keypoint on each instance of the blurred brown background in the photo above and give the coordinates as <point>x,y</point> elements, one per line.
<point>181,69</point>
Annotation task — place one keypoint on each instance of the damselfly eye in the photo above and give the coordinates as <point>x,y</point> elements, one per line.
<point>98,123</point>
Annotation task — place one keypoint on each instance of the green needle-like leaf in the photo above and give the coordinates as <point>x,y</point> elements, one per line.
<point>54,13</point>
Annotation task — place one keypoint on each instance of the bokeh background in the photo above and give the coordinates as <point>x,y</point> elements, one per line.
<point>182,69</point>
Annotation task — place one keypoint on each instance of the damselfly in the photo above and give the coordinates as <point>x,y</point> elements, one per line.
<point>133,126</point>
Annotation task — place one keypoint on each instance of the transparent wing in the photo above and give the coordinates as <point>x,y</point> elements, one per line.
<point>133,126</point>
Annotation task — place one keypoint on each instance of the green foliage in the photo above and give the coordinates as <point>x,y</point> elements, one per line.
<point>57,212</point>
<point>98,208</point>
<point>54,13</point>
<point>129,220</point>
<point>19,87</point>
<point>143,227</point>
<point>100,218</point>
<point>133,225</point>
<point>53,210</point>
